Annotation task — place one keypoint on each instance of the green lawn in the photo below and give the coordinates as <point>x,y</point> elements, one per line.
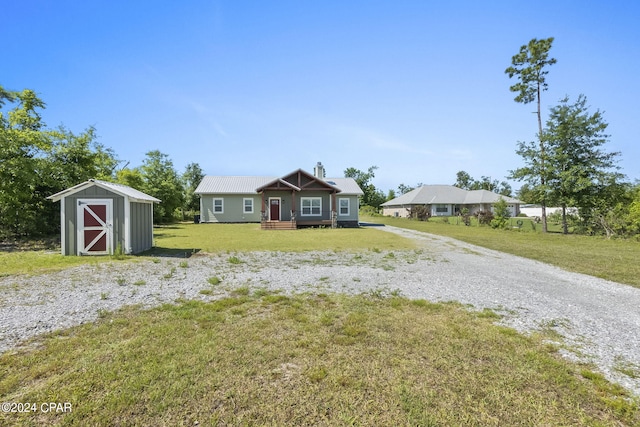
<point>270,359</point>
<point>38,262</point>
<point>215,238</point>
<point>614,259</point>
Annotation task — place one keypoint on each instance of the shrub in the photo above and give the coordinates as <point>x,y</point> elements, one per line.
<point>421,213</point>
<point>484,217</point>
<point>466,217</point>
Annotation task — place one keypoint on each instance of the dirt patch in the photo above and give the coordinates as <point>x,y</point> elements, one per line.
<point>41,244</point>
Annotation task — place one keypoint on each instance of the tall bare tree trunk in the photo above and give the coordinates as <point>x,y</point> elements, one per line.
<point>565,227</point>
<point>542,177</point>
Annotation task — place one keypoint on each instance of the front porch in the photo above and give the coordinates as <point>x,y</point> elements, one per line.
<point>298,200</point>
<point>295,224</point>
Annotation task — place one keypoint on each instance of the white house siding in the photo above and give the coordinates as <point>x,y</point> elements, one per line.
<point>534,211</point>
<point>395,211</point>
<point>442,210</point>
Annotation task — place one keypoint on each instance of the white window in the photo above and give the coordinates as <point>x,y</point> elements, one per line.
<point>311,206</point>
<point>247,206</point>
<point>218,206</point>
<point>442,208</point>
<point>343,206</point>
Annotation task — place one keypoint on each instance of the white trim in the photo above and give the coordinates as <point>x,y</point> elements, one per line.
<point>310,207</point>
<point>106,227</point>
<point>151,225</point>
<point>340,199</point>
<point>127,226</point>
<point>201,212</point>
<point>63,230</point>
<point>214,205</point>
<point>243,205</point>
<point>119,189</point>
<point>279,199</point>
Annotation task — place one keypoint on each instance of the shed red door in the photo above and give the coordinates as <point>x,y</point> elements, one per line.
<point>95,235</point>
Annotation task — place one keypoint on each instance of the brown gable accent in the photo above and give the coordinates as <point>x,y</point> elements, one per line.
<point>298,181</point>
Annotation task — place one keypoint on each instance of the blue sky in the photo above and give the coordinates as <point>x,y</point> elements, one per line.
<point>416,88</point>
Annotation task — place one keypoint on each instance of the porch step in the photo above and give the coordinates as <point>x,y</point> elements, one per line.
<point>278,225</point>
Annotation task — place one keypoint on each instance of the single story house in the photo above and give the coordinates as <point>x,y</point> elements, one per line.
<point>96,217</point>
<point>447,200</point>
<point>287,202</point>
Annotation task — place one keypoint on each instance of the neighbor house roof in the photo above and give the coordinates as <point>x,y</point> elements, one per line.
<point>249,184</point>
<point>122,190</point>
<point>447,194</point>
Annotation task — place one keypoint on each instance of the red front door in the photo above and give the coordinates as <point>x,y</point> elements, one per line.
<point>274,209</point>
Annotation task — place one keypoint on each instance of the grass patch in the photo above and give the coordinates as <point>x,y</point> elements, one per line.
<point>215,238</point>
<point>615,260</point>
<point>305,360</point>
<point>38,262</point>
<point>234,260</point>
<point>214,280</point>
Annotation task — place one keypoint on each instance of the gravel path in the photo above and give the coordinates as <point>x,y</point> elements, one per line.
<point>599,320</point>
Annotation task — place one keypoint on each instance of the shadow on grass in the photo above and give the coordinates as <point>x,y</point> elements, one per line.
<point>168,227</point>
<point>159,251</point>
<point>370,224</point>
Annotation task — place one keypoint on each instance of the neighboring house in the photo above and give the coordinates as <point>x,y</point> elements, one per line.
<point>288,202</point>
<point>447,200</point>
<point>536,210</point>
<point>96,217</point>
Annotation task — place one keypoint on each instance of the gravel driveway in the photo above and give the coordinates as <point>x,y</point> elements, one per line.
<point>599,320</point>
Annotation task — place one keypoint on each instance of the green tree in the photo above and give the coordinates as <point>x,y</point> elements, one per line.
<point>404,189</point>
<point>466,182</point>
<point>191,178</point>
<point>77,158</point>
<point>372,196</point>
<point>529,65</point>
<point>22,149</point>
<point>632,216</point>
<point>501,214</point>
<point>36,162</point>
<point>525,194</point>
<point>131,177</point>
<point>162,182</point>
<point>391,194</point>
<point>463,180</point>
<point>579,167</point>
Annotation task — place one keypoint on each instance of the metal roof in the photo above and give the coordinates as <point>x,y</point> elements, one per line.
<point>120,189</point>
<point>232,184</point>
<point>249,184</point>
<point>447,194</point>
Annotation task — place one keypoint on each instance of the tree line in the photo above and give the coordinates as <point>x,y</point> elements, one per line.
<point>568,165</point>
<point>36,162</point>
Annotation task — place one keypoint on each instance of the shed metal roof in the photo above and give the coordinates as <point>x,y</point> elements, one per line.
<point>120,189</point>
